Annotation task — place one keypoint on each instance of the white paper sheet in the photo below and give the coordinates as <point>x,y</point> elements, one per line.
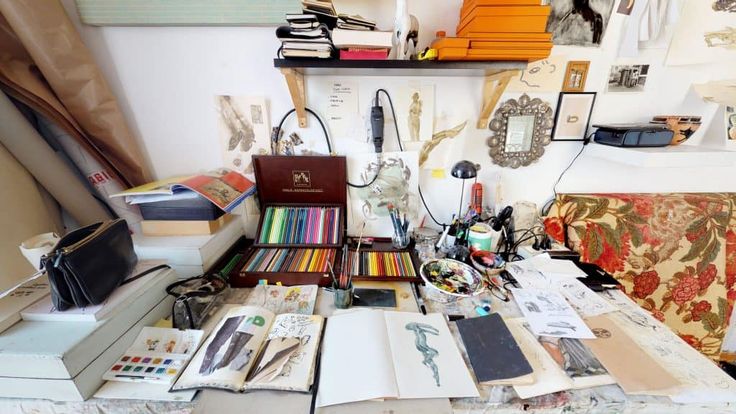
<point>555,267</point>
<point>704,381</point>
<point>113,390</point>
<point>356,359</point>
<point>549,314</point>
<point>343,109</point>
<point>426,359</point>
<point>587,302</point>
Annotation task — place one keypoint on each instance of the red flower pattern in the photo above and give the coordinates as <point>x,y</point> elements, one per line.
<point>645,284</point>
<point>699,309</point>
<point>661,225</point>
<point>707,276</point>
<point>555,228</point>
<point>685,290</point>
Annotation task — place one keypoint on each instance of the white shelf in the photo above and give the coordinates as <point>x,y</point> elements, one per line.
<point>664,157</point>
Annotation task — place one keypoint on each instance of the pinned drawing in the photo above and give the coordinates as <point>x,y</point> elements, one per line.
<point>243,127</point>
<point>396,185</point>
<point>724,6</point>
<point>725,38</point>
<point>437,138</point>
<point>704,34</point>
<point>579,22</point>
<point>415,112</point>
<point>420,331</point>
<point>545,75</point>
<point>730,120</point>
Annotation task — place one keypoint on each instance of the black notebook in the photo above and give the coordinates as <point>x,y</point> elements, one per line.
<point>493,352</point>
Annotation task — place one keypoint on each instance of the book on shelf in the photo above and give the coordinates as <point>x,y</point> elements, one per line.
<point>184,227</point>
<point>356,53</point>
<point>252,348</point>
<point>297,53</point>
<point>285,33</point>
<point>362,39</point>
<point>323,6</point>
<point>375,354</point>
<point>355,22</point>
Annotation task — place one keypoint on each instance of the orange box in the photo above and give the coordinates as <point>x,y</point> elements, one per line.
<point>509,37</point>
<point>505,24</point>
<point>469,5</point>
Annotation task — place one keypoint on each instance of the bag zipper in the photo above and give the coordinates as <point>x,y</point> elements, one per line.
<point>65,250</point>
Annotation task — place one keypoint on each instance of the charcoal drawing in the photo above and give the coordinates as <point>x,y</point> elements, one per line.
<point>579,22</point>
<point>428,353</point>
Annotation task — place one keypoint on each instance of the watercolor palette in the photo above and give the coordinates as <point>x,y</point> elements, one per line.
<point>157,356</point>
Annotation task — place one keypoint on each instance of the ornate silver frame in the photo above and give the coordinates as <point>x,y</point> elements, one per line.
<point>543,123</point>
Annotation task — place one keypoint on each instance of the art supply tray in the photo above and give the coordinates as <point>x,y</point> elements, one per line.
<point>405,267</point>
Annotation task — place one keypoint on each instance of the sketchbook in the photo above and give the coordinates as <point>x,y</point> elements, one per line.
<point>370,354</point>
<point>252,348</point>
<point>284,299</point>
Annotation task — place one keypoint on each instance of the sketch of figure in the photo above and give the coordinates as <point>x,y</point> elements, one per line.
<point>533,75</point>
<point>222,336</point>
<point>241,131</point>
<point>391,187</point>
<point>428,353</point>
<point>579,22</point>
<point>415,113</point>
<point>725,38</point>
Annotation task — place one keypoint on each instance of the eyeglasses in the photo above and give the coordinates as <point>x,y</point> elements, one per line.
<point>497,286</point>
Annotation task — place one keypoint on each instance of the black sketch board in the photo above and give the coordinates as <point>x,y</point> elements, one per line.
<point>382,298</point>
<point>493,352</point>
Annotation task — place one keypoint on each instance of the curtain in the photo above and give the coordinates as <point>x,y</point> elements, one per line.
<point>45,65</point>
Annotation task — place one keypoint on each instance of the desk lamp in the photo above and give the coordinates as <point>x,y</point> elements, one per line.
<point>464,170</point>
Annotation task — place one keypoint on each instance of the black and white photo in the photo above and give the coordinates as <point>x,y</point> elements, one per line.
<point>627,78</point>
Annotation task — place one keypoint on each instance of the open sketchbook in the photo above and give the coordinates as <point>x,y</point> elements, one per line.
<point>370,354</point>
<point>251,348</point>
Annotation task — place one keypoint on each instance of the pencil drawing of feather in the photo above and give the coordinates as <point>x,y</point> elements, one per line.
<point>428,353</point>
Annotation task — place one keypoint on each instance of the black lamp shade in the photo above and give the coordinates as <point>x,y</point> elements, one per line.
<point>464,170</point>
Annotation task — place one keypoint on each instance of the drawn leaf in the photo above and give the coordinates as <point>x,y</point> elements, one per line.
<point>594,246</point>
<point>697,225</point>
<point>610,236</point>
<point>709,255</point>
<point>626,208</point>
<point>696,249</point>
<point>636,237</point>
<point>599,210</point>
<point>711,321</point>
<point>722,308</point>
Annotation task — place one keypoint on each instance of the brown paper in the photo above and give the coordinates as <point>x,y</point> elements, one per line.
<point>45,64</point>
<point>634,370</point>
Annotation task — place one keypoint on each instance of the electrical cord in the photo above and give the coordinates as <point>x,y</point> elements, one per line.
<point>321,124</point>
<point>562,174</point>
<point>401,148</point>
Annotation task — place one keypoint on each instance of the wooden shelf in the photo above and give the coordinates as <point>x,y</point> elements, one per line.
<point>664,157</point>
<point>323,67</point>
<point>497,75</point>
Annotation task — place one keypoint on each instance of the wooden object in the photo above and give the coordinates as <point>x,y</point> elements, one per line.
<point>295,69</point>
<point>183,227</point>
<point>493,87</point>
<point>295,83</point>
<point>575,76</point>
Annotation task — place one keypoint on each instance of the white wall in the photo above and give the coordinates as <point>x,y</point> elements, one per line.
<point>166,79</point>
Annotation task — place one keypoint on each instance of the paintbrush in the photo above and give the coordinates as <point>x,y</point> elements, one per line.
<point>332,273</point>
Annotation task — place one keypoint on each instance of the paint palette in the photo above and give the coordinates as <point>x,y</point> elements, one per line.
<point>146,368</point>
<point>157,356</point>
<point>451,277</point>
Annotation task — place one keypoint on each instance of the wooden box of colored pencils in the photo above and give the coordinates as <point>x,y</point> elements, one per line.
<point>381,262</point>
<point>302,226</point>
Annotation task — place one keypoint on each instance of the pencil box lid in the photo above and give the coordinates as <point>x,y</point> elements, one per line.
<point>301,179</point>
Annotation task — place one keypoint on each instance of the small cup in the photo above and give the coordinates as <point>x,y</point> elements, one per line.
<point>343,297</point>
<point>400,241</point>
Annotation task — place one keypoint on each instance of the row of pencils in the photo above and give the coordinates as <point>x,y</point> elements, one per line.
<point>290,260</point>
<point>370,263</point>
<point>300,225</point>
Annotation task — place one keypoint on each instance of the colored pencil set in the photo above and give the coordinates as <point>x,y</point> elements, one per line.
<point>381,264</point>
<point>289,260</point>
<point>300,225</point>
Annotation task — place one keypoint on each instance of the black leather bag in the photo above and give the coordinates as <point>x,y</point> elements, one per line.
<point>87,264</point>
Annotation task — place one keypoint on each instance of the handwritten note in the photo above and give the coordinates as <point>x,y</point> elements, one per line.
<point>342,110</point>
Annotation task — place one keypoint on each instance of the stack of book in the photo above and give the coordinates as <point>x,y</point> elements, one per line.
<point>498,30</point>
<point>354,22</point>
<point>362,44</point>
<point>324,10</point>
<point>305,37</point>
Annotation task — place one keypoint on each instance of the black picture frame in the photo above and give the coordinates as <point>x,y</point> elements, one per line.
<point>556,134</point>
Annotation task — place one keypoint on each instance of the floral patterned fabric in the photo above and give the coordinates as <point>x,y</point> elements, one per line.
<point>675,254</point>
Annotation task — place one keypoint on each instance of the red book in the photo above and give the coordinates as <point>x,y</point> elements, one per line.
<point>363,54</point>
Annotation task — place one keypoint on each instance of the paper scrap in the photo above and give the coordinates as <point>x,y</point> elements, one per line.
<point>343,109</point>
<point>549,314</point>
<point>587,302</point>
<point>438,173</point>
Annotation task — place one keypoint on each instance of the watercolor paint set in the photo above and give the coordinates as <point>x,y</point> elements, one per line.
<point>157,356</point>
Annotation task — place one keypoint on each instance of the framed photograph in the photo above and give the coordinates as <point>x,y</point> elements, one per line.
<point>627,78</point>
<point>575,76</point>
<point>573,116</point>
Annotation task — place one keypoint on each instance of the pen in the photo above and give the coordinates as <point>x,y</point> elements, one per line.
<point>418,297</point>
